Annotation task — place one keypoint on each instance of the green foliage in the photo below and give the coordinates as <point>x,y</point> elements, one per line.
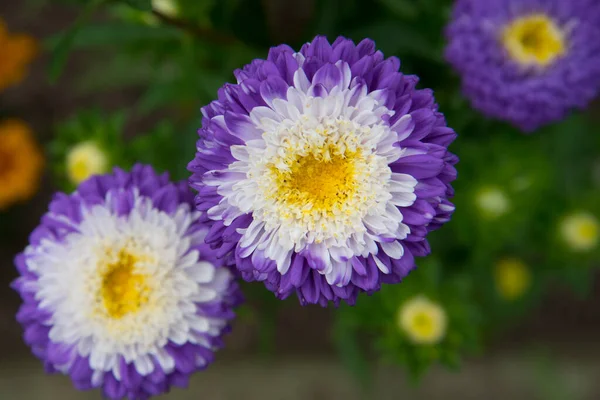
<point>106,131</point>
<point>378,316</point>
<point>63,46</point>
<point>143,5</point>
<point>178,63</point>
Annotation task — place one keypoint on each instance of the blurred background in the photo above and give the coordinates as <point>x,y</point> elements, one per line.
<point>87,85</point>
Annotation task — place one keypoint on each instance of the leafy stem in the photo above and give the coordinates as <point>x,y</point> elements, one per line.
<point>198,31</point>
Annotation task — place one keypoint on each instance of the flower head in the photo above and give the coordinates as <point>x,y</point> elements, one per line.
<point>512,278</point>
<point>323,170</point>
<point>89,143</point>
<point>492,202</point>
<point>84,160</point>
<point>16,52</point>
<point>580,231</point>
<point>119,290</point>
<point>527,62</point>
<point>167,7</point>
<point>422,320</point>
<point>21,163</point>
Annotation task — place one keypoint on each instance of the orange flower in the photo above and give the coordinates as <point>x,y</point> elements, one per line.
<point>16,52</point>
<point>21,163</point>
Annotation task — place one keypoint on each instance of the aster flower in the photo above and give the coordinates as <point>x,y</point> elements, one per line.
<point>492,202</point>
<point>21,163</point>
<point>84,160</point>
<point>89,143</point>
<point>323,170</point>
<point>580,231</point>
<point>432,317</point>
<point>16,52</point>
<point>422,320</point>
<point>119,289</point>
<point>512,278</point>
<point>528,62</point>
<point>169,8</point>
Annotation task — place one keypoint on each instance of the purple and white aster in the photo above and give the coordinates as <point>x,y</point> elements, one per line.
<point>323,170</point>
<point>119,289</point>
<point>528,62</point>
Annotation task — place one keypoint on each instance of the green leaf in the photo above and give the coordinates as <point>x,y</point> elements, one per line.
<point>143,5</point>
<point>395,38</point>
<point>117,33</point>
<point>402,8</point>
<point>122,72</point>
<point>350,352</point>
<point>63,46</point>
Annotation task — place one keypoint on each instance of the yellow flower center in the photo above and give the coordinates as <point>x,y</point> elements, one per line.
<point>318,182</point>
<point>124,291</point>
<point>534,40</point>
<point>588,230</point>
<point>423,324</point>
<point>512,278</point>
<point>84,160</point>
<point>423,321</point>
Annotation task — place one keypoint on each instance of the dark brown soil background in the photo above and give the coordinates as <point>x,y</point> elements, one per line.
<point>303,365</point>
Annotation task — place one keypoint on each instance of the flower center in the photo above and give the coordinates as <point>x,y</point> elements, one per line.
<point>422,325</point>
<point>318,182</point>
<point>588,230</point>
<point>512,278</point>
<point>580,231</point>
<point>534,40</point>
<point>315,180</point>
<point>6,162</point>
<point>124,291</point>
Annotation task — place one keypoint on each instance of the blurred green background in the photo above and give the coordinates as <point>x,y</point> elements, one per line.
<point>515,271</point>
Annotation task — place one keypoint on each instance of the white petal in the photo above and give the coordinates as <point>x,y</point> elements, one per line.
<point>98,360</point>
<point>201,272</point>
<point>167,363</point>
<point>239,152</point>
<point>403,182</point>
<point>382,267</point>
<point>199,324</point>
<point>301,82</point>
<point>143,365</point>
<point>204,295</point>
<point>178,334</point>
<point>393,249</point>
<point>97,378</point>
<point>85,345</point>
<point>403,127</point>
<point>403,199</point>
<point>221,280</point>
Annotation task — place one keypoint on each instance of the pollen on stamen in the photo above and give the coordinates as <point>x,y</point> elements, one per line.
<point>124,290</point>
<point>326,182</point>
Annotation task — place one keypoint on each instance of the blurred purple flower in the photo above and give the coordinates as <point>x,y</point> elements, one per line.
<point>528,62</point>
